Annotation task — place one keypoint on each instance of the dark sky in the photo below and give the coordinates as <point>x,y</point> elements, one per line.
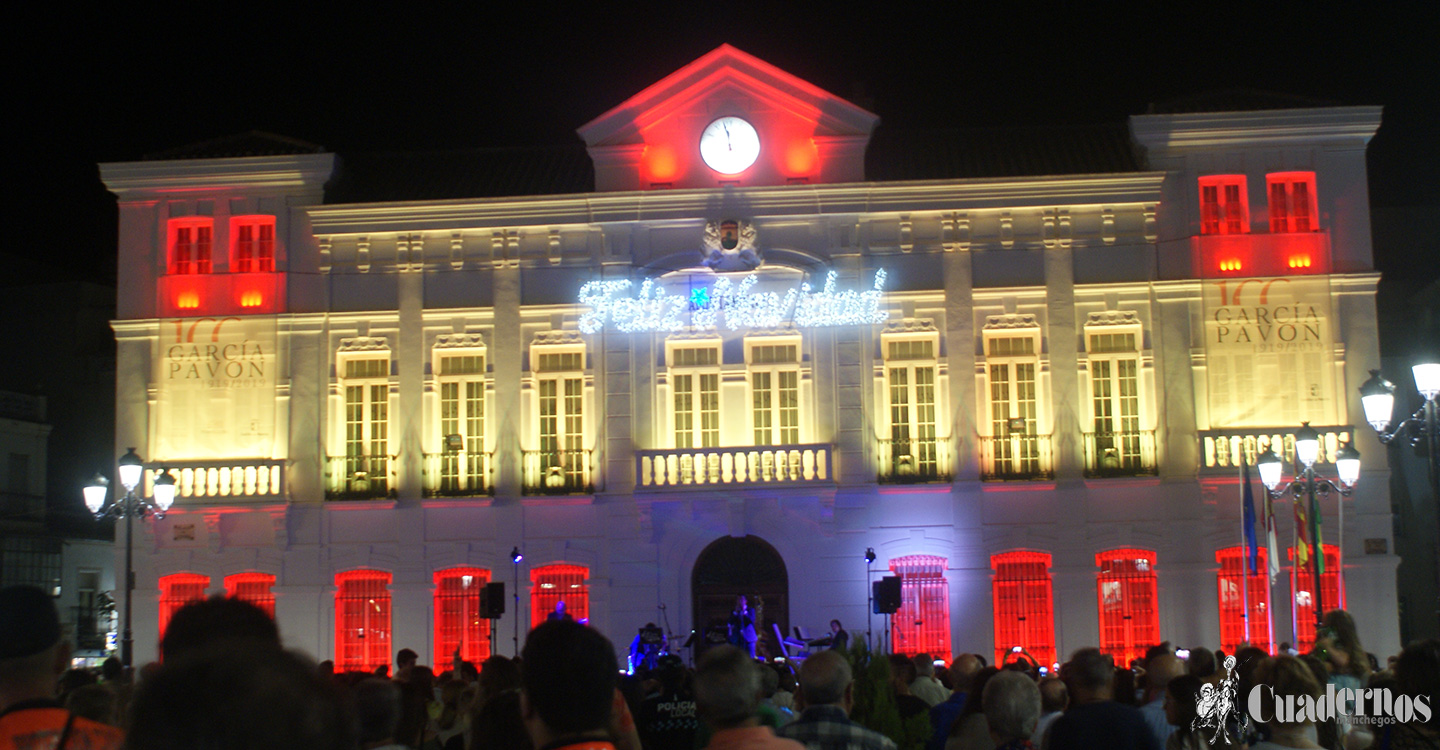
<point>112,85</point>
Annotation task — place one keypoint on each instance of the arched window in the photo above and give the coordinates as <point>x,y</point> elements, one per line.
<point>1302,583</point>
<point>362,620</point>
<point>254,588</point>
<point>1129,617</point>
<point>458,622</point>
<point>551,584</point>
<point>1024,605</point>
<point>922,624</point>
<point>1256,587</point>
<point>177,590</point>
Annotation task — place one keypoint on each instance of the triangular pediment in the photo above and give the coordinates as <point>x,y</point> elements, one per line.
<point>726,73</point>
<point>806,133</point>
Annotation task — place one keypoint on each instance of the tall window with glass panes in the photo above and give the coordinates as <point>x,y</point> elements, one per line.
<point>1012,364</point>
<point>1114,364</point>
<point>464,464</point>
<point>561,390</point>
<point>913,449</point>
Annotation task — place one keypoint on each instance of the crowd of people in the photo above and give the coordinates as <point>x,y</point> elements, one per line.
<point>227,682</point>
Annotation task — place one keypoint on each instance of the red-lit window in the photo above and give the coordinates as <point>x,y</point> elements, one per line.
<point>1129,618</point>
<point>922,624</point>
<point>458,623</point>
<point>1292,201</point>
<point>1256,588</point>
<point>552,584</point>
<point>190,241</point>
<point>1223,205</point>
<point>252,244</point>
<point>177,590</point>
<point>255,588</point>
<point>362,620</point>
<point>1024,608</point>
<point>1302,583</point>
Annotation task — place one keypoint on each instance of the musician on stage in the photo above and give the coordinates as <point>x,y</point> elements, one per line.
<point>647,647</point>
<point>839,638</point>
<point>740,629</point>
<point>559,613</point>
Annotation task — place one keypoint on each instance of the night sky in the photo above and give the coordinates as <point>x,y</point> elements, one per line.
<point>112,85</point>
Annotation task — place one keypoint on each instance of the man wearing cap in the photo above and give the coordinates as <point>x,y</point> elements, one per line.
<point>32,657</point>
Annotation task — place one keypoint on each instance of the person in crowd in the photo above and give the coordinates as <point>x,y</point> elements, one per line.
<point>498,674</point>
<point>1095,719</point>
<point>839,637</point>
<point>925,686</point>
<point>727,693</point>
<point>962,671</point>
<point>1158,673</point>
<point>969,730</point>
<point>667,719</point>
<point>32,656</point>
<point>1012,708</point>
<point>405,661</point>
<point>1180,696</point>
<point>1286,677</point>
<point>112,670</point>
<point>769,687</point>
<point>94,702</point>
<point>416,692</point>
<point>568,686</point>
<point>559,613</point>
<point>497,725</point>
<point>201,623</point>
<point>740,629</point>
<point>1201,663</point>
<point>1054,699</point>
<point>827,694</point>
<point>784,698</point>
<point>377,710</point>
<point>239,693</point>
<point>1417,673</point>
<point>905,702</point>
<point>447,731</point>
<point>1124,690</point>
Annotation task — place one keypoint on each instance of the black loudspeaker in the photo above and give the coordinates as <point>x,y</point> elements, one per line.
<point>492,600</point>
<point>886,595</point>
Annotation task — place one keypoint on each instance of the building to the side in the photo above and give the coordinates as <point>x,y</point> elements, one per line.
<point>740,338</point>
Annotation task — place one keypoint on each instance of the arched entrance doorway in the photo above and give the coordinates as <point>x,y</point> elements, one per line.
<point>734,566</point>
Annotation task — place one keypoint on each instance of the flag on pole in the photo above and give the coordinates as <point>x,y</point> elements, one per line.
<point>1302,535</point>
<point>1252,547</point>
<point>1272,543</point>
<point>1317,540</point>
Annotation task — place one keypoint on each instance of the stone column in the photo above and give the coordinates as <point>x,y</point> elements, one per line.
<point>960,338</point>
<point>506,353</point>
<point>1063,355</point>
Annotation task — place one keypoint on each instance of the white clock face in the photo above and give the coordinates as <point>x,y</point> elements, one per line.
<point>729,145</point>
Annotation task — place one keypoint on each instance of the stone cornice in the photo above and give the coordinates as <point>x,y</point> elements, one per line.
<point>757,203</point>
<point>1285,127</point>
<point>139,180</point>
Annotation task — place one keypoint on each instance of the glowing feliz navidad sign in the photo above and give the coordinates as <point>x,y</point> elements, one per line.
<point>654,309</point>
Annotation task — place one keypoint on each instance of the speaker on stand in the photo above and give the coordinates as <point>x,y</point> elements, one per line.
<point>886,599</point>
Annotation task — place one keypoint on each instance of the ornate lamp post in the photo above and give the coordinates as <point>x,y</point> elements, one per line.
<point>130,470</point>
<point>1308,484</point>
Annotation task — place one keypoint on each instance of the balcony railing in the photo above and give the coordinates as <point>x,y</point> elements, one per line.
<point>708,467</point>
<point>358,478</point>
<point>557,472</point>
<point>252,479</point>
<point>1221,451</point>
<point>459,474</point>
<point>912,461</point>
<point>18,507</point>
<point>1016,457</point>
<point>1120,454</point>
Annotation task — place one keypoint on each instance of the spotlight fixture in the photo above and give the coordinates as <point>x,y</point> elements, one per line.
<point>869,554</point>
<point>515,555</point>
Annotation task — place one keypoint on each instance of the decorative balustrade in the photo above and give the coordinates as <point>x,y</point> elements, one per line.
<point>358,477</point>
<point>557,472</point>
<point>1120,454</point>
<point>706,467</point>
<point>242,479</point>
<point>912,461</point>
<point>1221,451</point>
<point>1016,457</point>
<point>459,474</point>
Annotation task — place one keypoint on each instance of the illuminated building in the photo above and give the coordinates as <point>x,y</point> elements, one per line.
<point>1029,391</point>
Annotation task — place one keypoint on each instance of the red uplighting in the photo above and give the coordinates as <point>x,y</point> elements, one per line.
<point>252,244</point>
<point>458,620</point>
<point>552,584</point>
<point>922,624</point>
<point>362,620</point>
<point>1299,261</point>
<point>1230,265</point>
<point>1292,202</point>
<point>1129,616</point>
<point>1024,606</point>
<point>1255,590</point>
<point>177,590</point>
<point>1224,205</point>
<point>255,588</point>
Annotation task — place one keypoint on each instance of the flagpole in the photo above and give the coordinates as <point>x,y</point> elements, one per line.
<point>1340,553</point>
<point>1294,581</point>
<point>1244,553</point>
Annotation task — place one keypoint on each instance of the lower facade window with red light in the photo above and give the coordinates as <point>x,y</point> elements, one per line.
<point>362,620</point>
<point>1255,589</point>
<point>459,625</point>
<point>552,584</point>
<point>922,624</point>
<point>1129,618</point>
<point>1024,607</point>
<point>177,590</point>
<point>1302,584</point>
<point>255,588</point>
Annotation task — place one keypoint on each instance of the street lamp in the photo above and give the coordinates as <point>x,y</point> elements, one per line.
<point>130,469</point>
<point>515,558</point>
<point>1377,396</point>
<point>1308,484</point>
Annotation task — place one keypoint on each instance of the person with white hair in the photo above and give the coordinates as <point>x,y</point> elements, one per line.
<point>1012,708</point>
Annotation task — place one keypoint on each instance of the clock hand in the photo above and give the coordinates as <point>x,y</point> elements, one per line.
<point>728,146</point>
